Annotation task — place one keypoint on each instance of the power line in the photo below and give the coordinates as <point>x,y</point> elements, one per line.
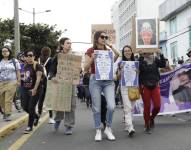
<point>82,42</point>
<point>180,33</point>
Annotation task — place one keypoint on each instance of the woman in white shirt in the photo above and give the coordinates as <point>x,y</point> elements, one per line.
<point>9,79</point>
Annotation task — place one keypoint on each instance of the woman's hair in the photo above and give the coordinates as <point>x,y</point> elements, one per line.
<point>30,50</point>
<point>45,54</point>
<point>95,40</point>
<point>132,58</point>
<point>61,42</point>
<point>10,53</point>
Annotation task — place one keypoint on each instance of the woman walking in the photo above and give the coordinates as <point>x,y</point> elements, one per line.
<point>149,82</point>
<point>31,88</point>
<point>9,80</point>
<point>128,105</point>
<point>98,86</point>
<point>68,116</point>
<point>45,60</point>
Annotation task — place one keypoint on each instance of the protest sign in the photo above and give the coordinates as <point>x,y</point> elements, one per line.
<point>129,75</point>
<point>103,65</point>
<point>68,68</point>
<point>58,95</point>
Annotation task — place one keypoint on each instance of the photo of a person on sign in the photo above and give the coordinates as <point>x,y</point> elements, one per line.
<point>146,33</point>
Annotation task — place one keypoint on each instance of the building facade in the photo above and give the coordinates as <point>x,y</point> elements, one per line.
<point>122,17</point>
<point>177,17</point>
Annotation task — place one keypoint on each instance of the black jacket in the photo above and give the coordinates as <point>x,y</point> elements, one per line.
<point>53,67</point>
<point>150,72</point>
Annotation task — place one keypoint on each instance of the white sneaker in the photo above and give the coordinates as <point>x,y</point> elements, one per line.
<point>129,128</point>
<point>98,136</point>
<point>109,133</point>
<point>51,121</point>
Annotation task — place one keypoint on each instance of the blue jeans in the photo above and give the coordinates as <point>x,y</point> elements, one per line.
<point>96,87</point>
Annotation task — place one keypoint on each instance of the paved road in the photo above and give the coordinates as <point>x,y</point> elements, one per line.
<point>171,133</point>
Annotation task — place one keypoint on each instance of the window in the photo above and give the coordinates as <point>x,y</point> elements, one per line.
<point>173,26</point>
<point>174,52</point>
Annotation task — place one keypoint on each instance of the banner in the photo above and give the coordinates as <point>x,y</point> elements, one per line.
<point>175,87</point>
<point>103,65</point>
<point>58,95</point>
<point>129,75</point>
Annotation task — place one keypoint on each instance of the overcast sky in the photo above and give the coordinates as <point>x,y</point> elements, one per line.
<point>74,15</point>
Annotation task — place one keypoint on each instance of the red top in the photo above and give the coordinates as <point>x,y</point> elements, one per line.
<point>89,52</point>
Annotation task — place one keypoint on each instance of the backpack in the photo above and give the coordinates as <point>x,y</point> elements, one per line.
<point>44,66</point>
<point>14,63</point>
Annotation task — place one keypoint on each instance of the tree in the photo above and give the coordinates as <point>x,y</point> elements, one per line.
<point>6,30</point>
<point>32,36</point>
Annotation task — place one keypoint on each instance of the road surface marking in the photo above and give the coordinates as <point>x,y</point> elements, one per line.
<point>25,137</point>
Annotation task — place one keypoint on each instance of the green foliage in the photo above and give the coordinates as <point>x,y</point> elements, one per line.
<point>32,36</point>
<point>6,30</point>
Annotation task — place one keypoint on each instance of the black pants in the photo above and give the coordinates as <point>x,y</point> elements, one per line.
<point>42,98</point>
<point>103,110</point>
<point>29,104</point>
<point>87,96</point>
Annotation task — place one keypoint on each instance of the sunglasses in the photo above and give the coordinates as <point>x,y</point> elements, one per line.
<point>104,37</point>
<point>5,51</point>
<point>29,55</point>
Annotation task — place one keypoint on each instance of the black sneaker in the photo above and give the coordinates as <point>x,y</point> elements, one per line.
<point>152,124</point>
<point>28,130</point>
<point>147,130</point>
<point>6,117</point>
<point>36,120</point>
<point>131,133</point>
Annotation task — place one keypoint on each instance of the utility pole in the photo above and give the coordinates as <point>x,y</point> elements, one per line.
<point>16,27</point>
<point>33,13</point>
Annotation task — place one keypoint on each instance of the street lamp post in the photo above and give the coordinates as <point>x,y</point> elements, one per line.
<point>34,13</point>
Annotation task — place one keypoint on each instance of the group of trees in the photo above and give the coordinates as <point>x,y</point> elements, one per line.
<point>32,36</point>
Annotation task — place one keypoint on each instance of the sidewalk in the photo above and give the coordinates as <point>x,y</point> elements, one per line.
<point>18,119</point>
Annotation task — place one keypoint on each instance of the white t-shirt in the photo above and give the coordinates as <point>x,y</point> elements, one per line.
<point>8,70</point>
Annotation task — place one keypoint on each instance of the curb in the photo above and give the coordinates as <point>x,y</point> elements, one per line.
<point>13,125</point>
<point>25,137</point>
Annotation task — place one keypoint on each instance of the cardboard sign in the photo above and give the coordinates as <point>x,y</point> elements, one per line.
<point>58,95</point>
<point>68,68</point>
<point>107,28</point>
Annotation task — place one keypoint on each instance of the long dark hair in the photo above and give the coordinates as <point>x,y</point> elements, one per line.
<point>61,42</point>
<point>95,40</point>
<point>132,58</point>
<point>45,54</point>
<point>10,53</point>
